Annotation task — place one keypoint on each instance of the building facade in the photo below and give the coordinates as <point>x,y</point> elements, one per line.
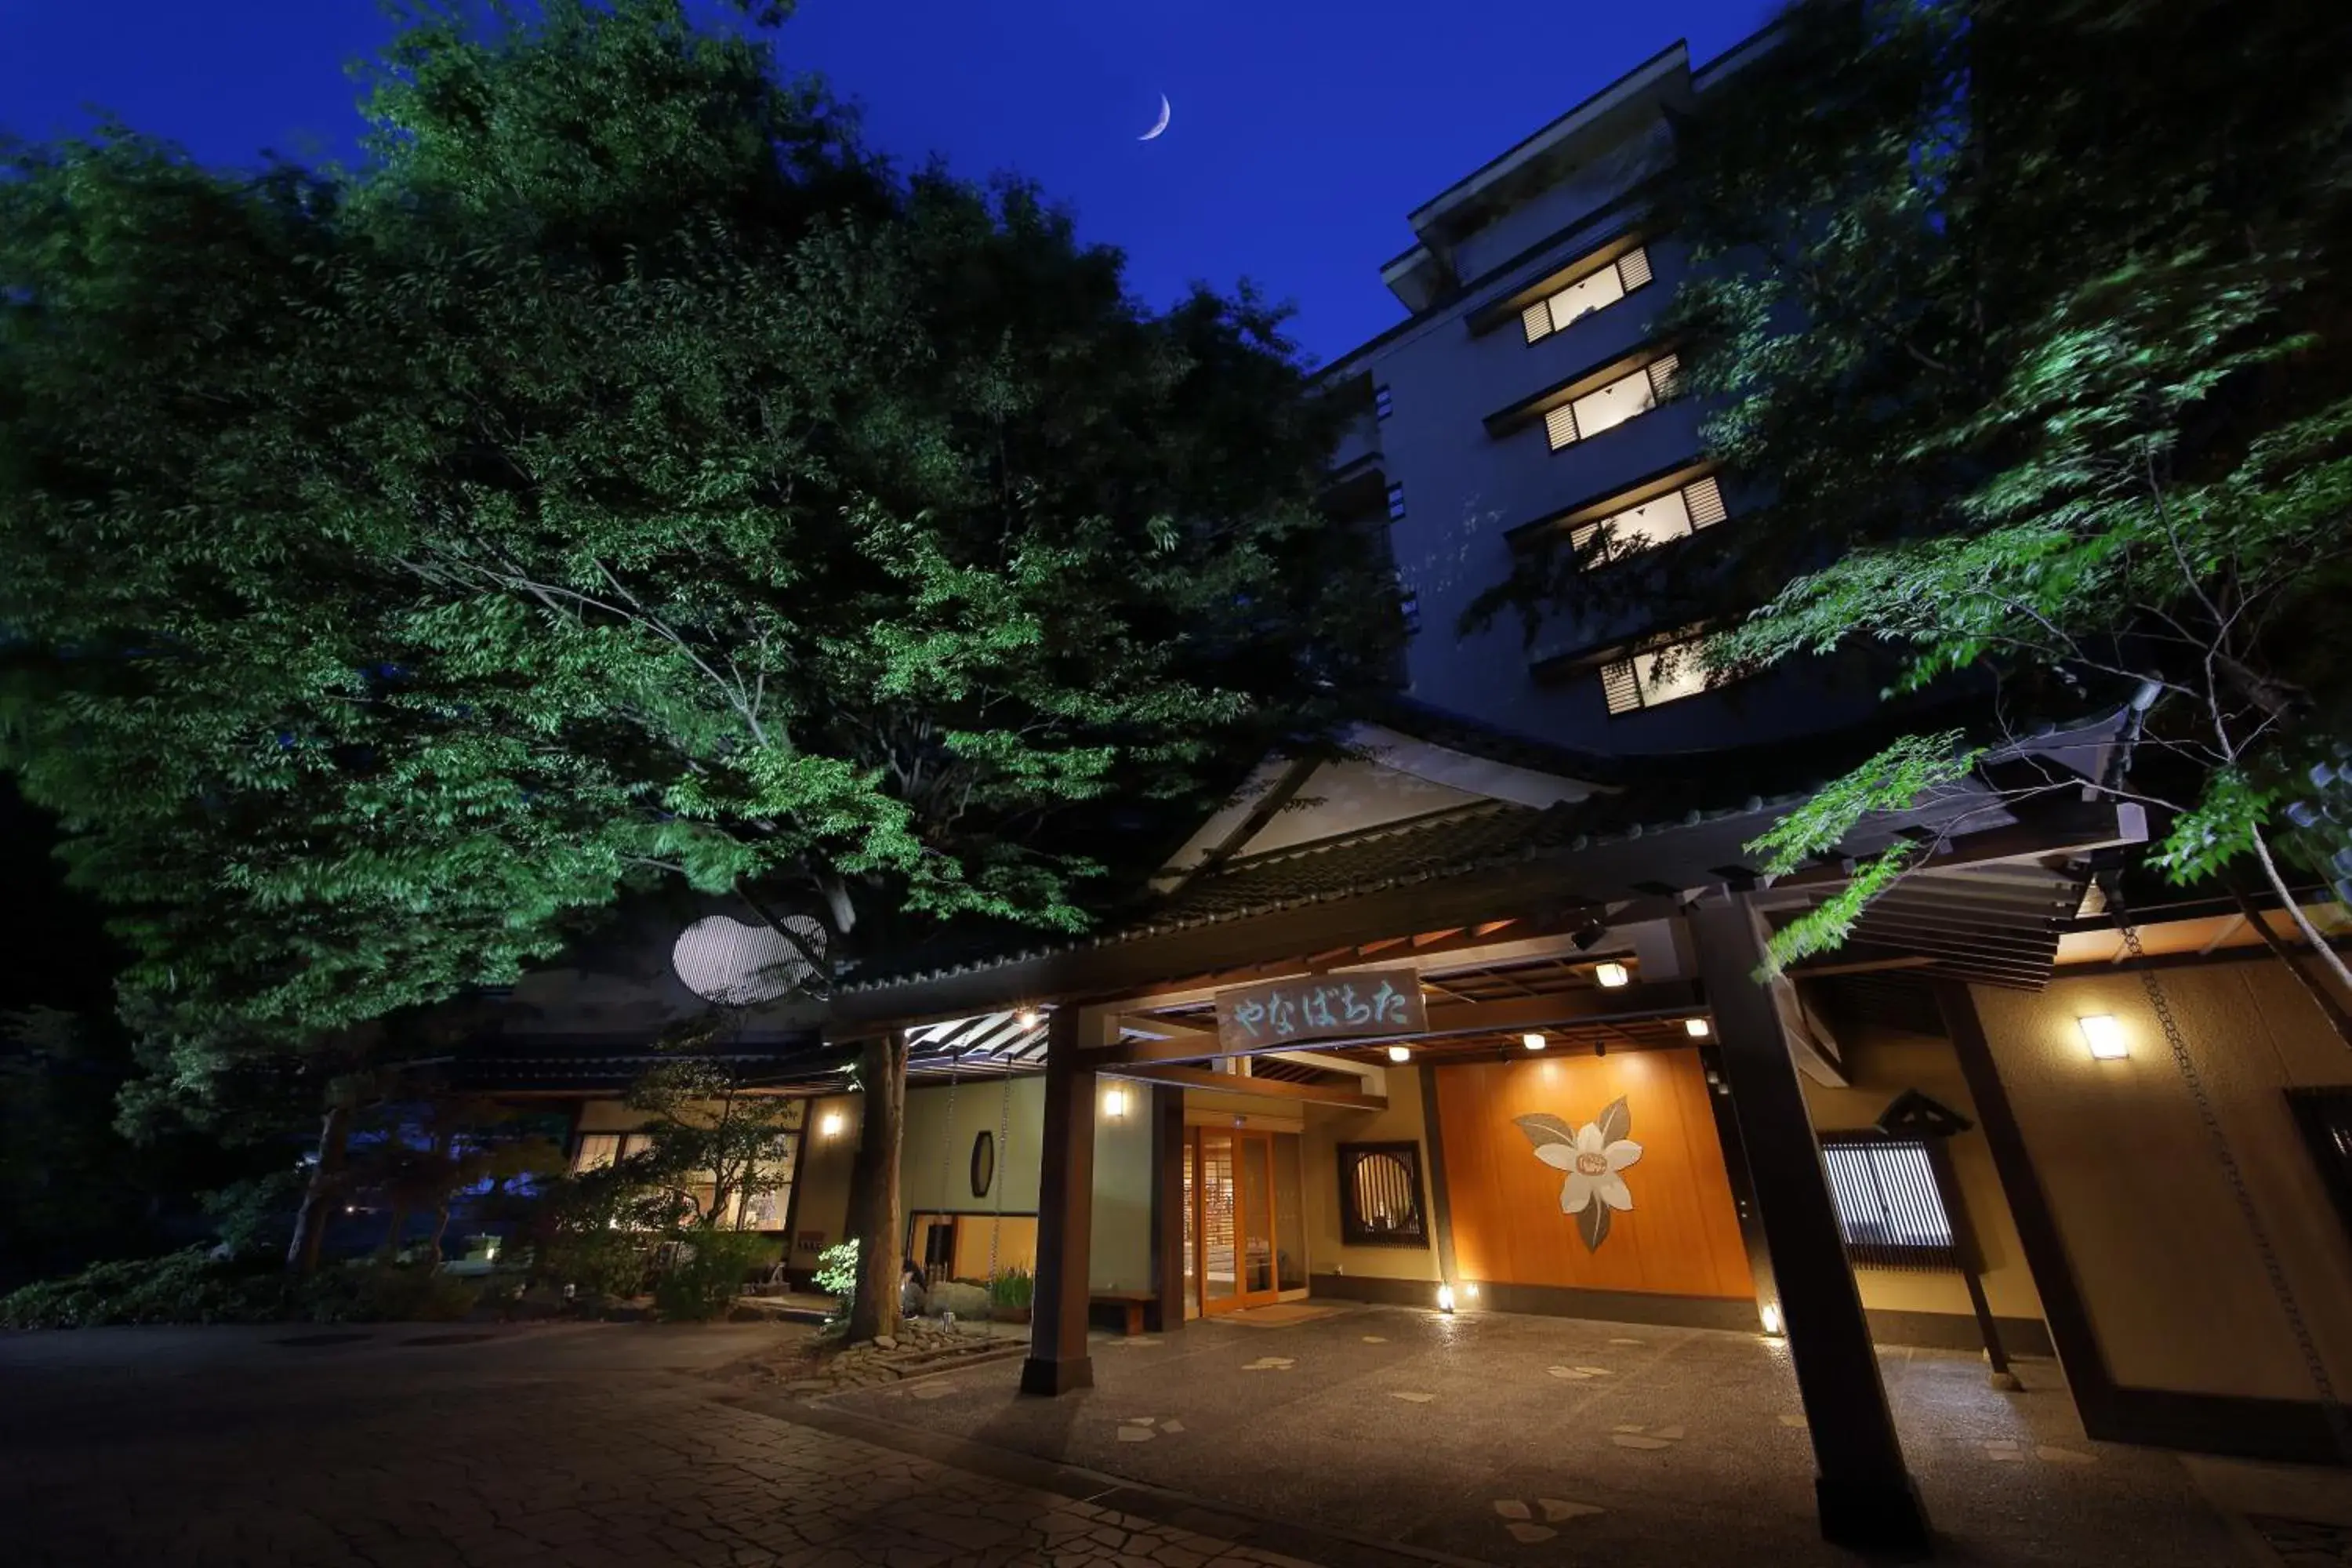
<point>1470,1021</point>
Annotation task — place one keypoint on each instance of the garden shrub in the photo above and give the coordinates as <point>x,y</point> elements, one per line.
<point>193,1288</point>
<point>707,1271</point>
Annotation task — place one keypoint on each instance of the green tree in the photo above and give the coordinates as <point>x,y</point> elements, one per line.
<point>620,477</point>
<point>2042,361</point>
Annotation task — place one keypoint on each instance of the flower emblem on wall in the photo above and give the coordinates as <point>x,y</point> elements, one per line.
<point>1594,1157</point>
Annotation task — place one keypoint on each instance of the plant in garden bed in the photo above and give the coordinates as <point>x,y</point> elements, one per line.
<point>1011,1292</point>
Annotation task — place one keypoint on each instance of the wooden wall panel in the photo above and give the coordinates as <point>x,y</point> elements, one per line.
<point>1680,1237</point>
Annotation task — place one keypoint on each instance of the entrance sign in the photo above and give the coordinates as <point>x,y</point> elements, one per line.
<point>1363,1004</point>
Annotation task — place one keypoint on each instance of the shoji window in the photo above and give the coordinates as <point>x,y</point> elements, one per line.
<point>1593,291</point>
<point>1676,514</point>
<point>1606,407</point>
<point>1665,674</point>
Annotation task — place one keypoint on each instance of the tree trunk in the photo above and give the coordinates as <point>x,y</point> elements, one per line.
<point>440,1229</point>
<point>318,1199</point>
<point>392,1233</point>
<point>881,1256</point>
<point>2320,995</point>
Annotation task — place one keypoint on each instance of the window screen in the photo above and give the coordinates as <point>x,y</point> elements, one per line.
<point>1890,1203</point>
<point>1593,291</point>
<point>1379,1195</point>
<point>1606,407</point>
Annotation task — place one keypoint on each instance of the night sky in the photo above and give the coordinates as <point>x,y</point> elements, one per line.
<point>1303,129</point>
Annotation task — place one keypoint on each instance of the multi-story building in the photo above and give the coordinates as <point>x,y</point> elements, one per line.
<point>1531,396</point>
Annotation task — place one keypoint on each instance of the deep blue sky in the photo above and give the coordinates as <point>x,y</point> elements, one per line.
<point>1303,129</point>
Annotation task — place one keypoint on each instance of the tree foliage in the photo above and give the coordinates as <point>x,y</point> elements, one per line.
<point>2035,364</point>
<point>619,477</point>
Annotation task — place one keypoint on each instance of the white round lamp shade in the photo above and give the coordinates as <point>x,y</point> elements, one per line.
<point>721,959</point>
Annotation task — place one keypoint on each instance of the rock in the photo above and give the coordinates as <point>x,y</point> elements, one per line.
<point>885,1342</point>
<point>954,1296</point>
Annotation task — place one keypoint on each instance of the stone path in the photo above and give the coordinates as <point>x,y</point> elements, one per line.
<point>576,1448</point>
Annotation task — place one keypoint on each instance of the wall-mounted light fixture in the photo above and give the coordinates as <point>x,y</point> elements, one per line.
<point>1400,1053</point>
<point>1769,1315</point>
<point>1611,975</point>
<point>1115,1104</point>
<point>1028,1018</point>
<point>1445,1297</point>
<point>1697,1028</point>
<point>830,1125</point>
<point>2105,1037</point>
<point>1532,1040</point>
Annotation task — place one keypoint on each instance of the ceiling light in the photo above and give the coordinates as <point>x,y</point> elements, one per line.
<point>1533,1042</point>
<point>1400,1053</point>
<point>2105,1037</point>
<point>1611,975</point>
<point>1696,1029</point>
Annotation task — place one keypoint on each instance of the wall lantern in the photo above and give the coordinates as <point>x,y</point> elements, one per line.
<point>830,1125</point>
<point>1696,1029</point>
<point>1770,1316</point>
<point>1400,1053</point>
<point>1611,975</point>
<point>1115,1104</point>
<point>2105,1037</point>
<point>1533,1042</point>
<point>1028,1018</point>
<point>1445,1297</point>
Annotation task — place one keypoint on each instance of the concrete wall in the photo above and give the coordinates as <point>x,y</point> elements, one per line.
<point>1012,1112</point>
<point>1120,1253</point>
<point>1883,1064</point>
<point>821,1205</point>
<point>1327,1128</point>
<point>2171,1280</point>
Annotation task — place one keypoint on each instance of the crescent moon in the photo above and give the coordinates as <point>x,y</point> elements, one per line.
<point>1153,133</point>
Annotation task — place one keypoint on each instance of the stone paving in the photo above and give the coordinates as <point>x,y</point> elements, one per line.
<point>1529,1440</point>
<point>578,1447</point>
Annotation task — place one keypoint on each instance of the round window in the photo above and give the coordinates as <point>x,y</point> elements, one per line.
<point>984,1164</point>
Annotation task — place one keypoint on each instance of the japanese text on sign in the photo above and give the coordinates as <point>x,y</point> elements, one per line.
<point>1376,1001</point>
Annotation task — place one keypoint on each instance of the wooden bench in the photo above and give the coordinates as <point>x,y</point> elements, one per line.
<point>1130,1305</point>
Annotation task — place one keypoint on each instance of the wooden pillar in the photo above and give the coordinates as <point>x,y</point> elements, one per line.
<point>1166,1209</point>
<point>1864,1495</point>
<point>1065,1204</point>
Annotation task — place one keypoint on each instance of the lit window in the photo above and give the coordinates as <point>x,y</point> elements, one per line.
<point>1674,515</point>
<point>1408,605</point>
<point>1380,1195</point>
<point>1664,674</point>
<point>1587,294</point>
<point>1383,402</point>
<point>1396,501</point>
<point>596,1151</point>
<point>1605,408</point>
<point>1890,1206</point>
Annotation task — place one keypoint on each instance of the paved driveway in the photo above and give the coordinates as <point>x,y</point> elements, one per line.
<point>414,1447</point>
<point>1535,1440</point>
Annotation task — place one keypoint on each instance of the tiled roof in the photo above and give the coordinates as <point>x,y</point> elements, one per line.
<point>603,1064</point>
<point>1648,794</point>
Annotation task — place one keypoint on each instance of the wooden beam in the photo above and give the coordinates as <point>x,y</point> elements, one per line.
<point>1172,1028</point>
<point>1864,966</point>
<point>2076,829</point>
<point>1270,1088</point>
<point>1665,998</point>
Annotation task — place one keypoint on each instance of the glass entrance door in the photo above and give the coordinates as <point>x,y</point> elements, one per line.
<point>1234,1222</point>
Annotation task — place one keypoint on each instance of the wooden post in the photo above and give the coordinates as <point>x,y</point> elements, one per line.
<point>1166,1209</point>
<point>1863,1493</point>
<point>1065,1201</point>
<point>879,1227</point>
